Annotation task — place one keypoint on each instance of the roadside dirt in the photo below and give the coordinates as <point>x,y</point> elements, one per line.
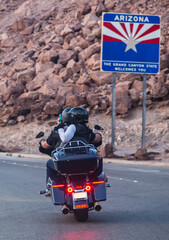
<point>128,132</point>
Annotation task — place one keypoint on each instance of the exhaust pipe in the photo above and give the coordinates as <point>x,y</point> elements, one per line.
<point>65,209</point>
<point>97,207</point>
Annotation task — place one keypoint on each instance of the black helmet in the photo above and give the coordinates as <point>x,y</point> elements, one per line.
<point>65,117</point>
<point>79,115</point>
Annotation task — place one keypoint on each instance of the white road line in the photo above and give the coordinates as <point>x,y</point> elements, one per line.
<point>26,165</point>
<point>144,170</point>
<point>20,159</point>
<point>140,170</point>
<point>134,170</point>
<point>152,171</point>
<point>23,165</point>
<point>123,179</point>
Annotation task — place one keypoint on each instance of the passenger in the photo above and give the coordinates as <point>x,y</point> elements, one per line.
<point>53,141</point>
<point>78,128</point>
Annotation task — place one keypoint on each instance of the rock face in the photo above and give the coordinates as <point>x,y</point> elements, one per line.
<point>141,154</point>
<point>50,59</point>
<point>107,151</point>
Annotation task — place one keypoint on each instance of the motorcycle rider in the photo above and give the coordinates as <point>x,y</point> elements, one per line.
<point>73,126</point>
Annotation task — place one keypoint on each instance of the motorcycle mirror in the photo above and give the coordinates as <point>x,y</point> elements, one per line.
<point>98,127</point>
<point>39,135</point>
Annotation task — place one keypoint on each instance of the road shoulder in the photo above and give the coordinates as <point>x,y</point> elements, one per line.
<point>154,163</point>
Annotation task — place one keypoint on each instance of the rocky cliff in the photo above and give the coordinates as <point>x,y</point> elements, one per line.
<point>50,59</point>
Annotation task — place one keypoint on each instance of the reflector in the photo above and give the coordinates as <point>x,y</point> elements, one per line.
<point>98,182</point>
<point>81,206</point>
<point>59,185</point>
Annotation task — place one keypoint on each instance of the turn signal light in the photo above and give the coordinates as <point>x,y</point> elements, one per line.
<point>88,188</point>
<point>69,189</point>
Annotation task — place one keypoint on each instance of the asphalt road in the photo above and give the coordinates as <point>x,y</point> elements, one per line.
<point>137,206</point>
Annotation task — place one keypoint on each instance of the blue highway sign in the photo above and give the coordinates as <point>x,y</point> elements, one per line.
<point>130,43</point>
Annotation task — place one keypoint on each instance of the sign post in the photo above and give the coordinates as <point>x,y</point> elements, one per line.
<point>113,108</point>
<point>130,44</point>
<point>144,112</point>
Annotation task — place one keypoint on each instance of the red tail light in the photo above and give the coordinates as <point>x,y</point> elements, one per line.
<point>88,188</point>
<point>59,185</point>
<point>70,189</point>
<point>98,182</point>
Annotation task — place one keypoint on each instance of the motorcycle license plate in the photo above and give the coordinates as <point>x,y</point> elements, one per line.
<point>80,195</point>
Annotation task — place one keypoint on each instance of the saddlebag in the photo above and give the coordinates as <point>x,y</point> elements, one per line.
<point>58,191</point>
<point>99,188</point>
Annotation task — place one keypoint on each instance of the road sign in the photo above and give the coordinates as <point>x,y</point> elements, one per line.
<point>130,43</point>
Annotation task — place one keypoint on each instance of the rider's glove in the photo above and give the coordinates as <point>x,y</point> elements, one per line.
<point>61,125</point>
<point>40,143</point>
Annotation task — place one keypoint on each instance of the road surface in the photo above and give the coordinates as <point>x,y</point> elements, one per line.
<point>137,206</point>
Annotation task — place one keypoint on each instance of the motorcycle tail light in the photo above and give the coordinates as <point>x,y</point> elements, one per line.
<point>69,189</point>
<point>88,188</point>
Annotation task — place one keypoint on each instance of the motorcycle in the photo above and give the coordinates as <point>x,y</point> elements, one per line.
<point>80,185</point>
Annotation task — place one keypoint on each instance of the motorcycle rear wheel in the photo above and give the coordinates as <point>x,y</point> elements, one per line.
<point>81,215</point>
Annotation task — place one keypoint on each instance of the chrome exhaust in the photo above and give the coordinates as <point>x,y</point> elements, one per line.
<point>65,209</point>
<point>97,207</point>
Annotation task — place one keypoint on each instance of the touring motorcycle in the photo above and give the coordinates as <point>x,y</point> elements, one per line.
<point>80,185</point>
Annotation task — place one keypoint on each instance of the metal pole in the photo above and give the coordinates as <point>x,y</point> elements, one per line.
<point>113,108</point>
<point>144,111</point>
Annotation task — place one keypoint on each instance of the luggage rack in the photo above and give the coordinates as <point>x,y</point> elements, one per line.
<point>75,147</point>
